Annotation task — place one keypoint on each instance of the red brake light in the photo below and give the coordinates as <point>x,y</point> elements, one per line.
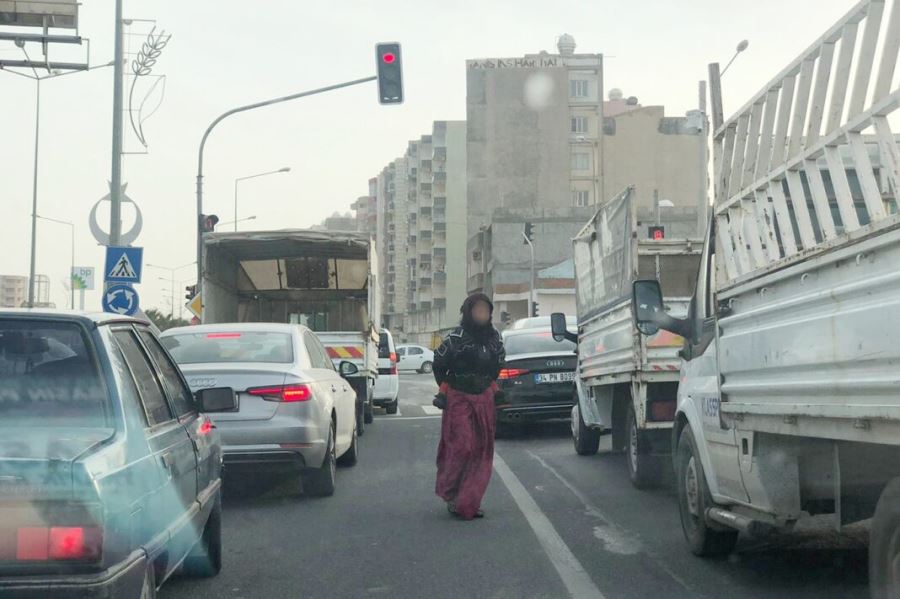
<point>58,543</point>
<point>511,373</point>
<point>393,357</point>
<point>287,393</point>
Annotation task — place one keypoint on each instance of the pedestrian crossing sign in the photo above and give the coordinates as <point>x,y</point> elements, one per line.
<point>123,264</point>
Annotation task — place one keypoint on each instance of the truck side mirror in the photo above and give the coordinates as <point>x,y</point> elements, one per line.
<point>558,326</point>
<point>346,369</point>
<point>647,300</point>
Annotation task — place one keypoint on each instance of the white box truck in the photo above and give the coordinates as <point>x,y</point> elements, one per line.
<point>626,383</point>
<point>789,401</point>
<point>325,280</point>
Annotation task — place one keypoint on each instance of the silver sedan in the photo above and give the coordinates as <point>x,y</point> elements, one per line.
<point>294,411</point>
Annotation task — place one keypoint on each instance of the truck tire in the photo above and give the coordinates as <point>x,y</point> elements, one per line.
<point>644,469</point>
<point>368,413</point>
<point>320,482</point>
<point>693,500</point>
<point>586,440</point>
<point>884,545</point>
<point>391,408</point>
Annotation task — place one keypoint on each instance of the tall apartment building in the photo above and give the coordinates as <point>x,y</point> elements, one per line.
<point>13,291</point>
<point>367,210</point>
<point>421,224</point>
<point>534,125</point>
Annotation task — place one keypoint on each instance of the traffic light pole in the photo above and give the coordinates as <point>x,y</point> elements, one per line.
<point>218,120</point>
<point>531,309</point>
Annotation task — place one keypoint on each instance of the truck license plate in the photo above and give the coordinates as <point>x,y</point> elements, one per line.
<point>554,377</point>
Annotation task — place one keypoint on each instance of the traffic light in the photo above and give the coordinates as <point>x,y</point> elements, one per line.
<point>657,232</point>
<point>534,308</point>
<point>208,223</point>
<point>504,317</point>
<point>529,233</point>
<point>191,292</point>
<point>390,73</point>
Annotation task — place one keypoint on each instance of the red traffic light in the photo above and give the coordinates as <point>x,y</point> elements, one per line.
<point>388,57</point>
<point>657,232</point>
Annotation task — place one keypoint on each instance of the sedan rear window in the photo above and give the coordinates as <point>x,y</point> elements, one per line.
<point>225,346</point>
<point>49,376</point>
<point>535,343</point>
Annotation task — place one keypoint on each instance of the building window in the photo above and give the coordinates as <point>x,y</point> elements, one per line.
<point>581,161</point>
<point>579,124</point>
<point>581,198</point>
<point>578,88</point>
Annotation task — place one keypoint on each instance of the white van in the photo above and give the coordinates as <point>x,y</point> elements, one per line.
<point>387,385</point>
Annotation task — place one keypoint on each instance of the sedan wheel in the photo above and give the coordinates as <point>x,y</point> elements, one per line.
<point>320,482</point>
<point>352,455</point>
<point>426,368</point>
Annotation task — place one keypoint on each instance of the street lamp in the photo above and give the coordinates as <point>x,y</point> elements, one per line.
<point>37,128</point>
<point>171,280</point>
<point>284,169</point>
<point>71,270</point>
<point>742,45</point>
<point>240,220</point>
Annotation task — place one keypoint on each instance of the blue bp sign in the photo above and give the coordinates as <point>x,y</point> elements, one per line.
<point>121,299</point>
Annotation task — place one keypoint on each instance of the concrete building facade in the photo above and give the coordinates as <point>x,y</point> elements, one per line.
<point>13,291</point>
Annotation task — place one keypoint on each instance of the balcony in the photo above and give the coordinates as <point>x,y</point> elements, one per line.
<point>411,240</point>
<point>439,176</point>
<point>440,254</point>
<point>425,305</point>
<point>425,211</point>
<point>476,281</point>
<point>425,236</point>
<point>440,277</point>
<point>439,153</point>
<point>439,225</point>
<point>440,302</point>
<point>424,281</point>
<point>425,258</point>
<point>440,216</point>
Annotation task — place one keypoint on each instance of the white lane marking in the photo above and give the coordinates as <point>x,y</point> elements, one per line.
<point>570,570</point>
<point>616,539</point>
<point>392,418</point>
<point>431,410</point>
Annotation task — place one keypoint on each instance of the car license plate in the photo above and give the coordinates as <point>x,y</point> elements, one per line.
<point>554,377</point>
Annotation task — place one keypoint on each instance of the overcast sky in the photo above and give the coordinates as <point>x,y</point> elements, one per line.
<point>224,53</point>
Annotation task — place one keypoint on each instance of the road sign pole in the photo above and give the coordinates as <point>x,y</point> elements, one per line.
<point>115,192</point>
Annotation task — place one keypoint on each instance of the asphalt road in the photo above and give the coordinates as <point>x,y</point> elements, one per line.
<point>557,525</point>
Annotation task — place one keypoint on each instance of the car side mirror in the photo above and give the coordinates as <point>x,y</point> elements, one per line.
<point>647,300</point>
<point>219,399</point>
<point>346,369</point>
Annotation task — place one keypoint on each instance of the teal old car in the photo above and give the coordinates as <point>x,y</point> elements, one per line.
<point>110,473</point>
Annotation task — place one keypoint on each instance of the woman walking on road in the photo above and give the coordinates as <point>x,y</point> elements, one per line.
<point>467,365</point>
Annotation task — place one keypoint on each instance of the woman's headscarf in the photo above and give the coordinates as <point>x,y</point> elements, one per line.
<point>468,323</point>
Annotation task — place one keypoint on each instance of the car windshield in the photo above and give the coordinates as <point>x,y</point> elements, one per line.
<point>230,346</point>
<point>535,343</point>
<point>49,376</point>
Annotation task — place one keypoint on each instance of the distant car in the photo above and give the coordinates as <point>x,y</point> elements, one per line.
<point>415,357</point>
<point>538,377</point>
<point>110,474</point>
<point>387,385</point>
<point>541,321</point>
<point>295,413</point>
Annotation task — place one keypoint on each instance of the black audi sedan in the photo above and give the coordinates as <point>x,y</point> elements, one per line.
<point>538,377</point>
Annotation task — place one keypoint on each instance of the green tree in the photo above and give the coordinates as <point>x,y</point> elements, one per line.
<point>164,321</point>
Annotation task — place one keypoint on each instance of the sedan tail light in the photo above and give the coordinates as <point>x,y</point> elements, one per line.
<point>511,373</point>
<point>286,393</point>
<point>58,543</point>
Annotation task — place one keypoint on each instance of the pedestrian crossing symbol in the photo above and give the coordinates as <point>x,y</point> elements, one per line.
<point>123,265</point>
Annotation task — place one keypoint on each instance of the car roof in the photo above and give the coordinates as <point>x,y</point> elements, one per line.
<point>538,321</point>
<point>83,317</point>
<point>528,331</point>
<point>246,327</point>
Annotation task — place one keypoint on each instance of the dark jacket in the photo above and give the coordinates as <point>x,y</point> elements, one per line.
<point>470,357</point>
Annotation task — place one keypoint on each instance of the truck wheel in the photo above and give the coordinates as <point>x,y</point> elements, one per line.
<point>644,469</point>
<point>368,413</point>
<point>205,560</point>
<point>351,456</point>
<point>884,545</point>
<point>360,418</point>
<point>587,440</point>
<point>693,500</point>
<point>391,408</point>
<point>320,482</point>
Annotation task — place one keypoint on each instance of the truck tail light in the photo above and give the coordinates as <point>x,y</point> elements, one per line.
<point>58,543</point>
<point>286,393</point>
<point>662,411</point>
<point>393,357</point>
<point>393,369</point>
<point>511,373</point>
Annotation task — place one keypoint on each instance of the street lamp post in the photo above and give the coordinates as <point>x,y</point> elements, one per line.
<point>284,169</point>
<point>240,220</point>
<point>72,266</point>
<point>171,280</point>
<point>742,45</point>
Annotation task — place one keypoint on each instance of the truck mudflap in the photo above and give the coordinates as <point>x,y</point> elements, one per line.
<point>590,412</point>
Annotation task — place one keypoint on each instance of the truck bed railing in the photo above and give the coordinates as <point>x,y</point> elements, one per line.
<point>772,201</point>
